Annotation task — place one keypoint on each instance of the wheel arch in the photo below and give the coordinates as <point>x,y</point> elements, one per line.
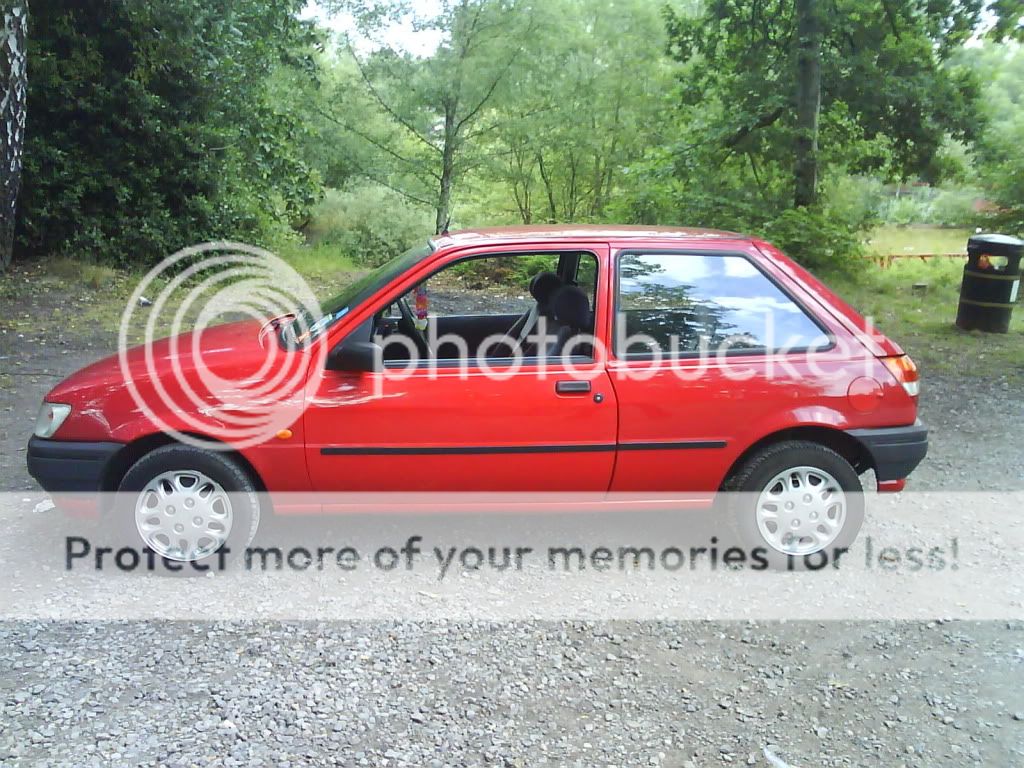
<point>837,440</point>
<point>135,450</point>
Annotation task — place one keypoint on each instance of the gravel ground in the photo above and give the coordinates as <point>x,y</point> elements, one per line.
<point>434,694</point>
<point>524,693</point>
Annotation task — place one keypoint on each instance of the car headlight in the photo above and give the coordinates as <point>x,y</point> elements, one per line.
<point>51,416</point>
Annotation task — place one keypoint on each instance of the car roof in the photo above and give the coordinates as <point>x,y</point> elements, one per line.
<point>579,232</point>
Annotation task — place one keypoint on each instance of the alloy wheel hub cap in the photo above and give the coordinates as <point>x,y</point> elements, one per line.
<point>801,511</point>
<point>183,515</point>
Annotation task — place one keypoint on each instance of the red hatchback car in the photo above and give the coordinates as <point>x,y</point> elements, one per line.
<point>650,364</point>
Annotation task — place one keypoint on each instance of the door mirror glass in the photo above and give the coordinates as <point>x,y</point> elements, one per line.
<point>356,356</point>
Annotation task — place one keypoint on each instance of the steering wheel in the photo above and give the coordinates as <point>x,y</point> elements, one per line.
<point>407,324</point>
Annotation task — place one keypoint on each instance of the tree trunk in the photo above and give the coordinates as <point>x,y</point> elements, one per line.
<point>444,196</point>
<point>552,208</point>
<point>521,185</point>
<point>14,81</point>
<point>808,101</point>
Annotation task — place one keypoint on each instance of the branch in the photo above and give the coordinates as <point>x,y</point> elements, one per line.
<point>487,96</point>
<point>393,188</point>
<point>383,104</point>
<point>378,144</point>
<point>765,120</point>
<point>468,40</point>
<point>494,83</point>
<point>503,122</point>
<point>892,19</point>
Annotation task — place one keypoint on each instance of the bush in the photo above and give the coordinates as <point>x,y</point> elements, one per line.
<point>816,240</point>
<point>933,206</point>
<point>906,210</point>
<point>855,200</point>
<point>368,223</point>
<point>151,128</point>
<point>955,208</point>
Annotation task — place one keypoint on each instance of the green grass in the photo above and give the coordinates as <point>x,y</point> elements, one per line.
<point>890,240</point>
<point>87,298</point>
<point>924,324</point>
<point>90,275</point>
<point>324,266</point>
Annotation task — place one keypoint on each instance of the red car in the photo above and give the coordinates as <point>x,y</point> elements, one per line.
<point>651,364</point>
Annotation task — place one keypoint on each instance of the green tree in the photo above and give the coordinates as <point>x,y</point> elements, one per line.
<point>154,125</point>
<point>875,75</point>
<point>582,106</point>
<point>433,107</point>
<point>999,156</point>
<point>809,24</point>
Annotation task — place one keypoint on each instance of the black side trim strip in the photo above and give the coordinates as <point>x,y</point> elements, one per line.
<point>679,445</point>
<point>470,450</point>
<point>460,450</point>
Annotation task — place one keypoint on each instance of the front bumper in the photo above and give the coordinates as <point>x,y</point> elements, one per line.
<point>63,466</point>
<point>895,451</point>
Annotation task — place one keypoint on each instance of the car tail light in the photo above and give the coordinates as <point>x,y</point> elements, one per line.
<point>905,371</point>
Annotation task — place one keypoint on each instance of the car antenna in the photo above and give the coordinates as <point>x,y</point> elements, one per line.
<point>444,229</point>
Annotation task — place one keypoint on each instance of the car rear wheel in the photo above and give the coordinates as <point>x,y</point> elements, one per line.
<point>799,502</point>
<point>196,510</point>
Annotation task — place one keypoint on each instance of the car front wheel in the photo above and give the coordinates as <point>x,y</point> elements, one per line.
<point>189,506</point>
<point>800,503</point>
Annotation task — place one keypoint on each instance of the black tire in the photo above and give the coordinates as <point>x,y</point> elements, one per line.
<point>752,477</point>
<point>217,466</point>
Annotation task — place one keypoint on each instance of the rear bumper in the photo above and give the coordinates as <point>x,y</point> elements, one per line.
<point>62,466</point>
<point>895,451</point>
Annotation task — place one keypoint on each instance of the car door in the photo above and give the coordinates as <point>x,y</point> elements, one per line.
<point>483,426</point>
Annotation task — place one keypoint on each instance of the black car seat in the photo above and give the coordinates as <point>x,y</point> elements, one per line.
<point>570,308</point>
<point>543,287</point>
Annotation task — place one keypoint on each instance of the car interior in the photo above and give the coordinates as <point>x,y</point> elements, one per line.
<point>560,310</point>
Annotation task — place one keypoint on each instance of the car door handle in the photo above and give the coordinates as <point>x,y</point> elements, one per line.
<point>572,387</point>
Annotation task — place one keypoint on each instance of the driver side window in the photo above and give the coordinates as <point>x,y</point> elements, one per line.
<point>489,285</point>
<point>490,306</point>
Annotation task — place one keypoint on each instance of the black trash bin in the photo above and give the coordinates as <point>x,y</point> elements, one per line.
<point>991,283</point>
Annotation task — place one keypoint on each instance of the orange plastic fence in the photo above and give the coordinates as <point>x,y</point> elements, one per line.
<point>886,261</point>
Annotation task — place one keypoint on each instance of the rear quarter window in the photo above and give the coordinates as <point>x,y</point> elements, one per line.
<point>681,304</point>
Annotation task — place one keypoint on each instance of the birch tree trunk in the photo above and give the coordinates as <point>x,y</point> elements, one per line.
<point>448,151</point>
<point>14,81</point>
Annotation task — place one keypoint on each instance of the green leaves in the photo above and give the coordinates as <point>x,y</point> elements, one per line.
<point>152,126</point>
<point>882,66</point>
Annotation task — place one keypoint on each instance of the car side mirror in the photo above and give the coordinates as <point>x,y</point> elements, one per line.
<point>356,356</point>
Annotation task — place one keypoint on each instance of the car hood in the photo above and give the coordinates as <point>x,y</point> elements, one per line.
<point>238,347</point>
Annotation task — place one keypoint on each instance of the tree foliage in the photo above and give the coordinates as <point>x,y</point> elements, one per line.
<point>585,103</point>
<point>157,125</point>
<point>1000,159</point>
<point>770,104</point>
<point>886,93</point>
<point>433,108</point>
<point>153,126</point>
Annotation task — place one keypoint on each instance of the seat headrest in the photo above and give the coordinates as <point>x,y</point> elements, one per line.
<point>571,307</point>
<point>543,286</point>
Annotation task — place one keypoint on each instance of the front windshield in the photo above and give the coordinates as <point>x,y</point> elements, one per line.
<point>306,328</point>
